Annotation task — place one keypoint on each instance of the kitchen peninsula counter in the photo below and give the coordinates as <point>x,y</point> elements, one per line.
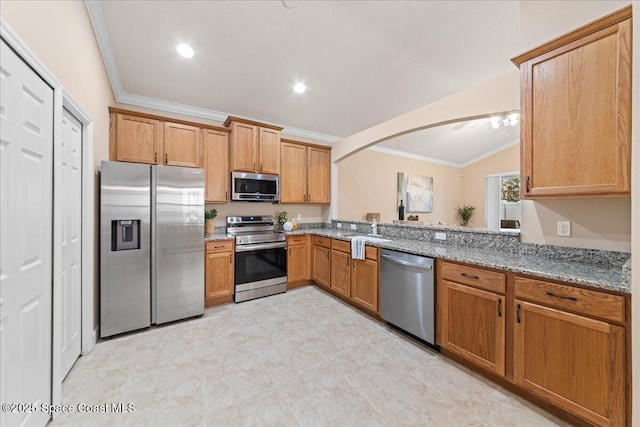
<point>595,275</point>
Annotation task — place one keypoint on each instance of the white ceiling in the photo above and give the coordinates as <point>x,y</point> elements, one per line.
<point>363,62</point>
<point>456,144</point>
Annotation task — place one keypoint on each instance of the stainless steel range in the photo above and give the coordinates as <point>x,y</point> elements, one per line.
<point>261,257</point>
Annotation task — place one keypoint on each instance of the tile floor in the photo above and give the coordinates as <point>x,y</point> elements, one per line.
<point>303,358</point>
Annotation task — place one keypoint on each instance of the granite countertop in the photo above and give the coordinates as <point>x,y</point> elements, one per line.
<point>597,276</point>
<point>218,236</point>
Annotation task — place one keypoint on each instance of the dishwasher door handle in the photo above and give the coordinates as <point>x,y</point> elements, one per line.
<point>403,262</point>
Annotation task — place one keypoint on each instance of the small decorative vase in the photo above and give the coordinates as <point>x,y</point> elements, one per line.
<point>209,226</point>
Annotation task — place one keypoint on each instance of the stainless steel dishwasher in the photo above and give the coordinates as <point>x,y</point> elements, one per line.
<point>407,296</point>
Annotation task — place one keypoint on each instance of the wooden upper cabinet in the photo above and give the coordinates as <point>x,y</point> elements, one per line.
<point>135,139</point>
<point>182,145</point>
<point>305,173</point>
<point>293,173</point>
<point>576,112</point>
<point>269,153</point>
<point>146,138</point>
<point>255,147</point>
<point>216,165</point>
<point>319,175</point>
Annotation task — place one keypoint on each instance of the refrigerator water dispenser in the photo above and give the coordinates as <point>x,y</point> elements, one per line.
<point>125,234</point>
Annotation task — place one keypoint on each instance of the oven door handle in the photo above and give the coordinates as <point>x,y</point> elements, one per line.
<point>258,246</point>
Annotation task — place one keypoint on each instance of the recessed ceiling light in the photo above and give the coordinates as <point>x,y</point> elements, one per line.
<point>185,50</point>
<point>299,87</point>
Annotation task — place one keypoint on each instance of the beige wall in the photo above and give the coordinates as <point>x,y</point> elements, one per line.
<point>60,34</point>
<point>368,183</point>
<point>473,179</point>
<point>309,213</point>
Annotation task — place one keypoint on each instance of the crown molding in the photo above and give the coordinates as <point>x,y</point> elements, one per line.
<point>171,107</point>
<point>399,153</point>
<point>491,153</point>
<point>94,8</point>
<point>408,155</point>
<point>315,136</point>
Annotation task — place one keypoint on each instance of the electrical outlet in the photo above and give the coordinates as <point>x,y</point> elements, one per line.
<point>339,225</point>
<point>353,226</point>
<point>564,228</point>
<point>441,236</point>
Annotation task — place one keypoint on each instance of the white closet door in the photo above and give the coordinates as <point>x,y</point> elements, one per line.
<point>71,174</point>
<point>26,199</point>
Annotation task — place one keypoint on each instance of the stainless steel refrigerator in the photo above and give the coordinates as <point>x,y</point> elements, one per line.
<point>151,245</point>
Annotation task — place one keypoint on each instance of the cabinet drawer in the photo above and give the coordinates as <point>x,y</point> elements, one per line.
<point>297,240</point>
<point>583,301</point>
<point>219,246</point>
<point>321,241</point>
<point>340,245</point>
<point>479,278</point>
<point>371,253</point>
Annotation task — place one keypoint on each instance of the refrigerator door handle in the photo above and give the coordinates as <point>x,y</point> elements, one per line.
<point>153,246</point>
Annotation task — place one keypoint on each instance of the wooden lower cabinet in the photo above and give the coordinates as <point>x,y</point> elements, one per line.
<point>321,265</point>
<point>297,261</point>
<point>573,361</point>
<point>341,273</point>
<point>364,283</point>
<point>555,342</point>
<point>219,266</point>
<point>473,325</point>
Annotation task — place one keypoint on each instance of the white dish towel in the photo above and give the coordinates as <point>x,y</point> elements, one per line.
<point>357,247</point>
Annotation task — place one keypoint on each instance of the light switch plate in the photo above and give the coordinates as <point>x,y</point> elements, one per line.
<point>564,228</point>
<point>441,236</point>
<point>353,226</point>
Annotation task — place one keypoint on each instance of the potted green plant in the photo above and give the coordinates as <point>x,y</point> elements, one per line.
<point>282,218</point>
<point>209,225</point>
<point>465,213</point>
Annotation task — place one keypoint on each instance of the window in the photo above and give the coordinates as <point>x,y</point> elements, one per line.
<point>502,201</point>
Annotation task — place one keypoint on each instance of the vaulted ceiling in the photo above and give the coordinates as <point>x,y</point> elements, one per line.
<point>363,62</point>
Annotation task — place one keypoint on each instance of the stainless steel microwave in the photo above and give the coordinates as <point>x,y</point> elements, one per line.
<point>255,187</point>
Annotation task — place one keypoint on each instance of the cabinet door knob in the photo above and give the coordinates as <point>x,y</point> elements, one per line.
<point>327,255</point>
<point>500,307</point>
<point>260,166</point>
<point>166,158</point>
<point>230,259</point>
<point>518,314</point>
<point>155,157</point>
<point>226,195</point>
<point>527,183</point>
<point>309,198</point>
<point>469,276</point>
